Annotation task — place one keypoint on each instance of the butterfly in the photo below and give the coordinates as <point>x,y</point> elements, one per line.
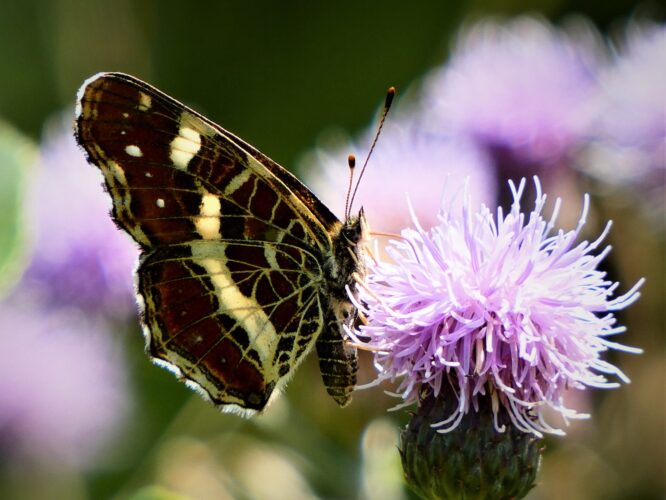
<point>242,269</point>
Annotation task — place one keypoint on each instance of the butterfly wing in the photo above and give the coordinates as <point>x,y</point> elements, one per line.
<point>231,323</point>
<point>231,276</point>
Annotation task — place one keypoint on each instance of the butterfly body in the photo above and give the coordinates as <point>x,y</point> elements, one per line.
<point>242,269</point>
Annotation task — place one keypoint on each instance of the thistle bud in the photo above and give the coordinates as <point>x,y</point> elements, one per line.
<point>473,460</point>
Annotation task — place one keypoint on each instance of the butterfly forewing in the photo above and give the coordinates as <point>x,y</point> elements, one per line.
<point>236,253</point>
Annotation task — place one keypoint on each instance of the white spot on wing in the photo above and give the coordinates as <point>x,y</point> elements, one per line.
<point>210,205</point>
<point>184,146</point>
<point>208,222</point>
<point>159,202</point>
<point>133,150</point>
<point>145,101</point>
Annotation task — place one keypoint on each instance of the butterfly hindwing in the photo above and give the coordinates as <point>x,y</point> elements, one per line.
<point>236,252</point>
<point>194,292</point>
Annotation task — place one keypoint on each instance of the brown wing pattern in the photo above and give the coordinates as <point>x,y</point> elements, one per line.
<point>227,319</point>
<point>231,275</point>
<point>146,143</point>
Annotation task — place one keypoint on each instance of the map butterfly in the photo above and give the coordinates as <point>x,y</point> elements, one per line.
<point>242,269</point>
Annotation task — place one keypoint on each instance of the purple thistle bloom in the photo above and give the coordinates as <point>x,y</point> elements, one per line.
<point>632,111</point>
<point>404,164</point>
<point>63,390</point>
<point>518,88</point>
<point>79,257</point>
<point>497,307</point>
<point>629,115</point>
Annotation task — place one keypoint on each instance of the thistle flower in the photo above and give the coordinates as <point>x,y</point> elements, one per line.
<point>79,258</point>
<point>63,391</point>
<point>494,307</point>
<point>631,108</point>
<point>629,117</point>
<point>518,89</point>
<point>404,163</point>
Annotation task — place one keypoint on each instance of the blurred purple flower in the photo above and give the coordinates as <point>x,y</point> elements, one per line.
<point>629,111</point>
<point>519,89</point>
<point>63,393</point>
<point>407,163</point>
<point>79,257</point>
<point>498,308</point>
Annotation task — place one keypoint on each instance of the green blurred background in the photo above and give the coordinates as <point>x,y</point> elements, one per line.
<point>278,74</point>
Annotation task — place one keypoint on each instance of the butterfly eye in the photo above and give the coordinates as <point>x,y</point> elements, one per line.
<point>351,231</point>
<point>350,234</point>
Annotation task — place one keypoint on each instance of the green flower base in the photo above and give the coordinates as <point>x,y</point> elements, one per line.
<point>473,461</point>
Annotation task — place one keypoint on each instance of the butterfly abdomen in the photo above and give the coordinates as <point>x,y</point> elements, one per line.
<point>337,359</point>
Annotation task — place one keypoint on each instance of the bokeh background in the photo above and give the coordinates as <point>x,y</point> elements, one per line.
<point>84,414</point>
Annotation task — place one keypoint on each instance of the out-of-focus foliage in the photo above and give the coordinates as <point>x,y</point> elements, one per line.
<point>17,156</point>
<point>279,74</point>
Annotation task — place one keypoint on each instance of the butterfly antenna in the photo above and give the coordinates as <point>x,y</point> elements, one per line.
<point>351,161</point>
<point>390,94</point>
